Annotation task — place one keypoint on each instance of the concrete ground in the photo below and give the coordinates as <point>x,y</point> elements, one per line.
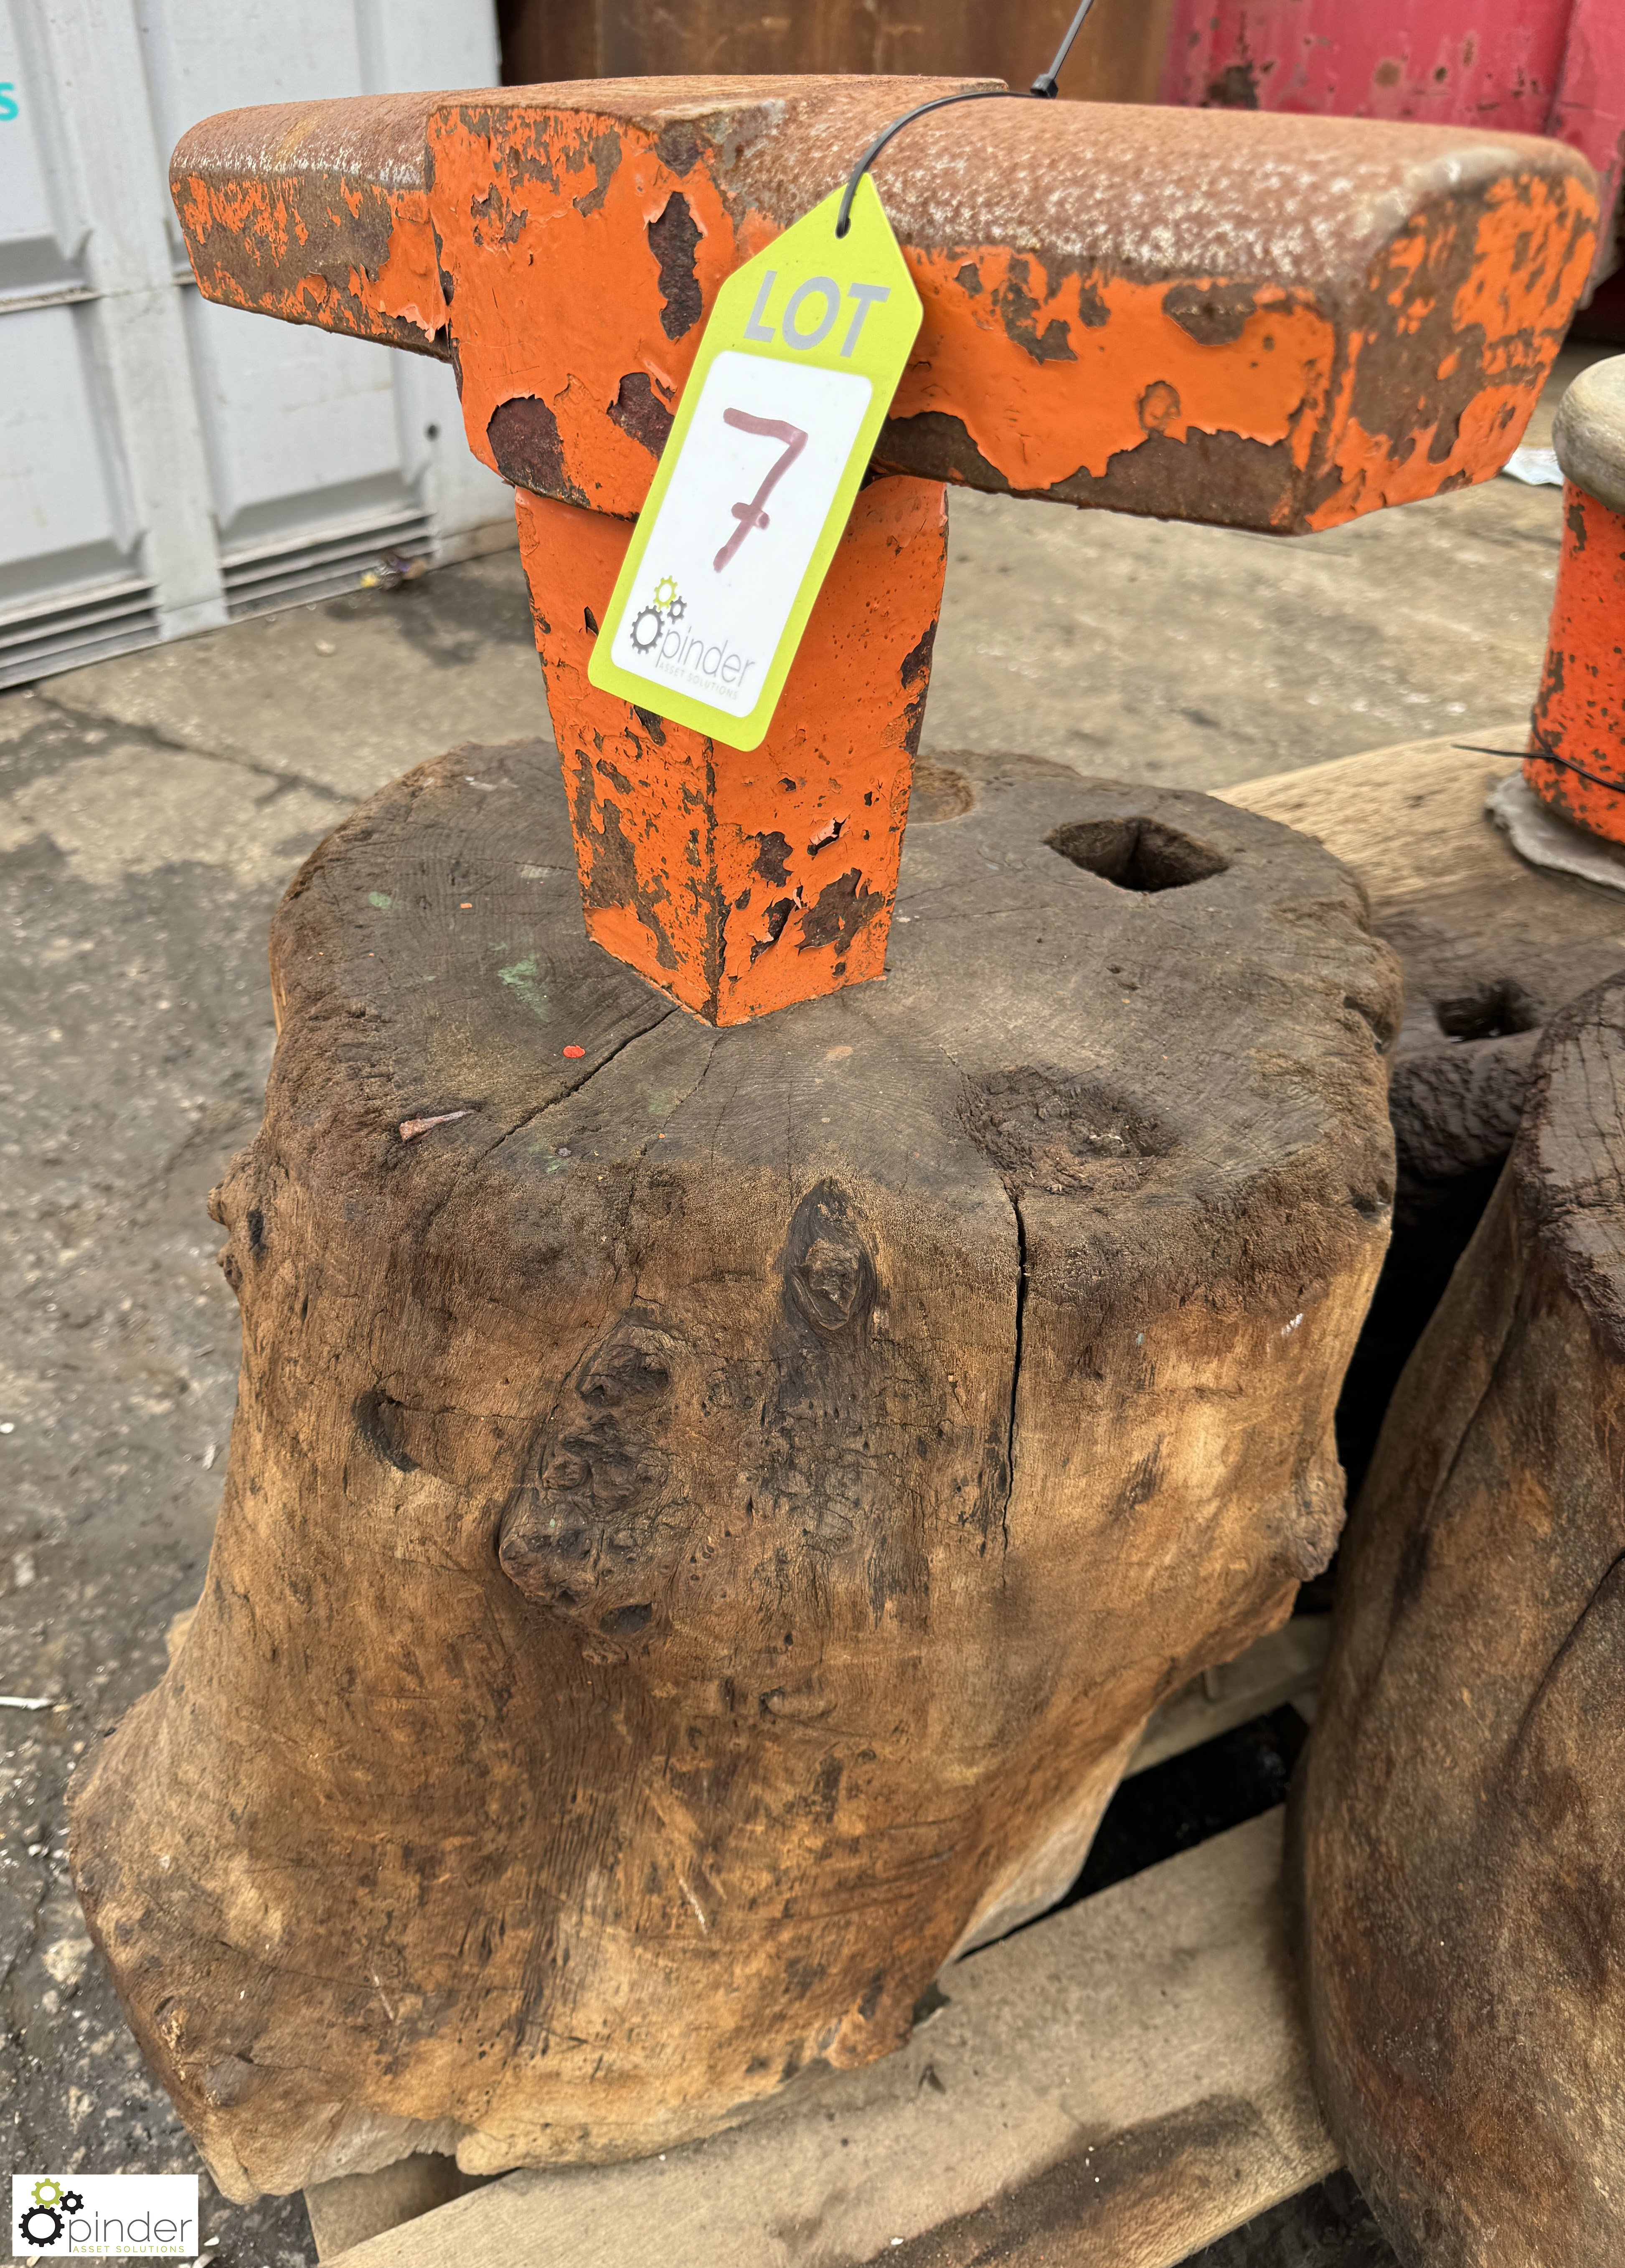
<point>152,808</point>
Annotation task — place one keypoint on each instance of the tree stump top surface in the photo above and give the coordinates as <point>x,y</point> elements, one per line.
<point>1093,990</point>
<point>1491,946</point>
<point>1466,914</point>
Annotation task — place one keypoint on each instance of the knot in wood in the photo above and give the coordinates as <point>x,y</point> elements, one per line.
<point>1044,1131</point>
<point>831,1276</point>
<point>583,1534</point>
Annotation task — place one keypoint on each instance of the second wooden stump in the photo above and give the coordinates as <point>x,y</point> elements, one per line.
<point>1460,1831</point>
<point>710,1512</point>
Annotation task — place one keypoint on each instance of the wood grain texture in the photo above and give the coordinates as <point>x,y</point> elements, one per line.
<point>1491,946</point>
<point>1113,2088</point>
<point>707,1518</point>
<point>1461,1852</point>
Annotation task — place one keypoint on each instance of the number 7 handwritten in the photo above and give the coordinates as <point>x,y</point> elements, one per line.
<point>752,515</point>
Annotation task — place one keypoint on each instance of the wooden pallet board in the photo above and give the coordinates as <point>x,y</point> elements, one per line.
<point>1111,2087</point>
<point>1285,1665</point>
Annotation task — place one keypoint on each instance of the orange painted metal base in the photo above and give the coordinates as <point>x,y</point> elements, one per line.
<point>1579,711</point>
<point>741,883</point>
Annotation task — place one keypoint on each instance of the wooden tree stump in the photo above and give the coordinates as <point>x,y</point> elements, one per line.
<point>709,1512</point>
<point>1491,948</point>
<point>1461,1828</point>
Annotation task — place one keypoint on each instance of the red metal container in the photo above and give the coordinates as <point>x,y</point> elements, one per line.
<point>1554,67</point>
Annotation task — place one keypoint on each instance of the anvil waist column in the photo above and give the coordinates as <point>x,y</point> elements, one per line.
<point>740,883</point>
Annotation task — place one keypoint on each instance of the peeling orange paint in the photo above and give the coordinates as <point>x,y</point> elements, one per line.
<point>407,286</point>
<point>1024,414</point>
<point>540,212</point>
<point>1521,263</point>
<point>740,883</point>
<point>530,325</point>
<point>563,248</point>
<point>1579,711</point>
<point>241,237</point>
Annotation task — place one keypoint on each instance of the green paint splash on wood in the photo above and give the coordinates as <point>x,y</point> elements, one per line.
<point>521,978</point>
<point>381,898</point>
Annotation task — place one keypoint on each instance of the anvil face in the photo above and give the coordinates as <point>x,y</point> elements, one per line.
<point>1249,319</point>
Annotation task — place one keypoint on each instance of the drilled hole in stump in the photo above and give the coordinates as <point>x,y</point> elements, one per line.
<point>1493,1013</point>
<point>1135,853</point>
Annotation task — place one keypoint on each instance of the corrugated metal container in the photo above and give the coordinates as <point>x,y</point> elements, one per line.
<point>166,464</point>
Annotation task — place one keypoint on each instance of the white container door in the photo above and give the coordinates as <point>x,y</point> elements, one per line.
<point>165,463</point>
<point>74,579</point>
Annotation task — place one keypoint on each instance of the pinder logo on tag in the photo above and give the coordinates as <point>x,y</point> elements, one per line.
<point>666,609</point>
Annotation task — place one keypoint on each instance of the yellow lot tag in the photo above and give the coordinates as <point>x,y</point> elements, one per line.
<point>791,387</point>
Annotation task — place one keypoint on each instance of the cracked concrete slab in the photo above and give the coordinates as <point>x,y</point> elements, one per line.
<point>121,814</point>
<point>343,695</point>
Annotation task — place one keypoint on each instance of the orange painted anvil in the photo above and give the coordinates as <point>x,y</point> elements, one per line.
<point>1252,318</point>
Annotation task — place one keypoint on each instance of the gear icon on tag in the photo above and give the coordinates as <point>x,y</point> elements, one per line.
<point>646,627</point>
<point>39,2225</point>
<point>72,2202</point>
<point>48,2193</point>
<point>677,608</point>
<point>665,594</point>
